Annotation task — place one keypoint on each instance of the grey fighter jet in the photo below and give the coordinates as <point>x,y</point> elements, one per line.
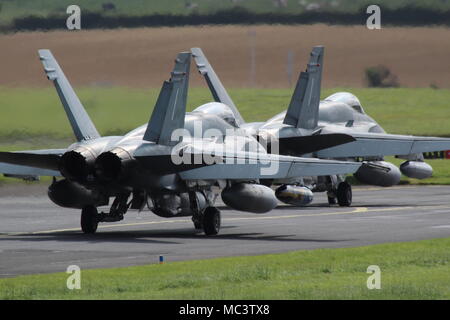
<point>164,161</point>
<point>341,112</point>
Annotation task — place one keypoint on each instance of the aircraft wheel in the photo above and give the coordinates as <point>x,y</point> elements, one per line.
<point>89,219</point>
<point>211,221</point>
<point>344,194</point>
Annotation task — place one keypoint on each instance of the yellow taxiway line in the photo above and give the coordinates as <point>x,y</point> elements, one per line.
<point>259,217</point>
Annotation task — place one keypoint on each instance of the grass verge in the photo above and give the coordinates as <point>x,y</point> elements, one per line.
<point>409,270</point>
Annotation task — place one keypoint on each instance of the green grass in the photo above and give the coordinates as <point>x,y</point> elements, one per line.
<point>27,113</point>
<point>409,270</point>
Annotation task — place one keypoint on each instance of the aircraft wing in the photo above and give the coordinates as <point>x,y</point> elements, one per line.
<point>268,166</point>
<point>31,163</point>
<point>381,144</point>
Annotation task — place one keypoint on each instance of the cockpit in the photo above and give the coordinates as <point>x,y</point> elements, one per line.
<point>218,109</point>
<point>347,98</point>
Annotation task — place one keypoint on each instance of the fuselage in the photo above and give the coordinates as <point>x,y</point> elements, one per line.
<point>342,113</point>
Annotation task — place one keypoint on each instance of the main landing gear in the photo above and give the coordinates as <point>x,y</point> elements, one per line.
<point>342,195</point>
<point>209,220</point>
<point>90,216</point>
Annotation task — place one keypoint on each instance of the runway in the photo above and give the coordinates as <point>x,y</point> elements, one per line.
<point>36,236</point>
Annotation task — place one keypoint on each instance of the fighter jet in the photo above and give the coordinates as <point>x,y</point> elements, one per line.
<point>165,162</point>
<point>341,112</point>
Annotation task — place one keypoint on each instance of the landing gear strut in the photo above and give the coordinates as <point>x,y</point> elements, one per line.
<point>90,216</point>
<point>198,223</point>
<point>331,199</point>
<point>89,219</point>
<point>118,209</point>
<point>331,182</point>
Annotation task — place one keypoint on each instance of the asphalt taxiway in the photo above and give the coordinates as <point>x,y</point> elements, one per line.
<point>36,236</point>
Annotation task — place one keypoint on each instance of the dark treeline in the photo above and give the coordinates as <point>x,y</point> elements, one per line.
<point>407,16</point>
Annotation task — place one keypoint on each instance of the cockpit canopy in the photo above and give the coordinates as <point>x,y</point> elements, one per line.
<point>347,98</point>
<point>218,109</point>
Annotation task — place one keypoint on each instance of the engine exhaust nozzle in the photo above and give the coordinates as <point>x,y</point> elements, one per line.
<point>112,165</point>
<point>77,164</point>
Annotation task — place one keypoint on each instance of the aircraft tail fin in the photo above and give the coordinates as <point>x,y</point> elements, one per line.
<point>216,87</point>
<point>82,125</point>
<point>170,108</point>
<point>303,111</point>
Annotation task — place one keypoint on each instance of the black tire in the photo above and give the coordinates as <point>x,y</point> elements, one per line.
<point>331,200</point>
<point>89,219</point>
<point>211,221</point>
<point>344,194</point>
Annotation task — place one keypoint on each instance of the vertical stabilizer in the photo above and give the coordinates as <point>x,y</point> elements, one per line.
<point>82,125</point>
<point>170,109</point>
<point>303,111</point>
<point>216,87</point>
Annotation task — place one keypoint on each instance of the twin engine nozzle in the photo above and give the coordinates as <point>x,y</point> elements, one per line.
<point>77,164</point>
<point>80,163</point>
<point>112,165</point>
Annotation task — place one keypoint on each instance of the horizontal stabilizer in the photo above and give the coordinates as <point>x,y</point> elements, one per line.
<point>43,159</point>
<point>26,173</point>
